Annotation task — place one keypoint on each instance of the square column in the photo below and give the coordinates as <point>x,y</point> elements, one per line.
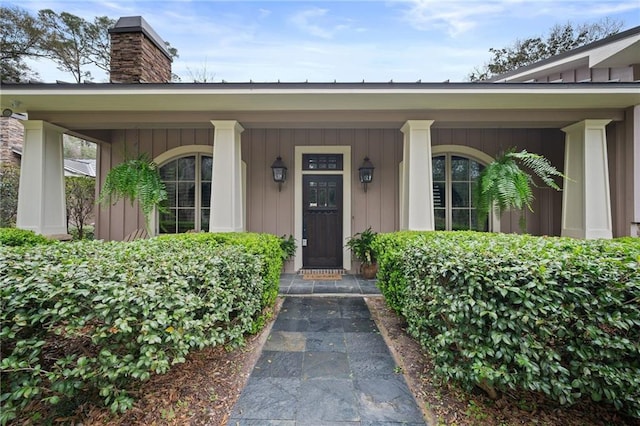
<point>227,206</point>
<point>41,198</point>
<point>634,134</point>
<point>417,177</point>
<point>586,203</point>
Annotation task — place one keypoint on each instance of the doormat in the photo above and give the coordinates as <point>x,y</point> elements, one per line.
<point>314,276</point>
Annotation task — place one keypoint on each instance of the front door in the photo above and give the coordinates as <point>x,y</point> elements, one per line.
<point>322,221</point>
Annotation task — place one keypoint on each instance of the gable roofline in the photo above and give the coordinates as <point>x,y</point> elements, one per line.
<point>580,53</point>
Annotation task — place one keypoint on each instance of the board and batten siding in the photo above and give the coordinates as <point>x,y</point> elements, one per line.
<point>272,211</point>
<point>122,218</point>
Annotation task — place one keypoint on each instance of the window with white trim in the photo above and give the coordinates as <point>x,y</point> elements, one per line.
<point>188,183</point>
<point>454,179</point>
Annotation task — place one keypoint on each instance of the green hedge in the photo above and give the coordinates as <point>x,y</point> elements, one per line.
<point>15,237</point>
<point>93,318</point>
<point>266,246</point>
<point>553,315</point>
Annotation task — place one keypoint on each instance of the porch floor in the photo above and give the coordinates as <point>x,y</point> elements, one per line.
<point>295,284</point>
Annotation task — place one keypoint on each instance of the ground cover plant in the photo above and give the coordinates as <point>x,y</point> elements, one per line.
<point>556,316</point>
<point>90,320</point>
<point>15,237</point>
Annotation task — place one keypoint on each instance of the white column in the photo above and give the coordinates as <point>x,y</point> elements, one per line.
<point>417,178</point>
<point>635,128</point>
<point>227,204</point>
<point>586,203</point>
<point>41,198</point>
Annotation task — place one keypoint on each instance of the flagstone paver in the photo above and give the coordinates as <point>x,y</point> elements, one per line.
<point>325,363</point>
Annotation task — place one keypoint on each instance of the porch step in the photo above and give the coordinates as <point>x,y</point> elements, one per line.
<point>311,271</point>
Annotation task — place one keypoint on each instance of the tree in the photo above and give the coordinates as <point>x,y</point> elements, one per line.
<point>505,186</point>
<point>9,183</point>
<point>21,36</point>
<point>70,41</point>
<point>561,38</point>
<point>81,198</point>
<point>135,180</point>
<point>73,43</point>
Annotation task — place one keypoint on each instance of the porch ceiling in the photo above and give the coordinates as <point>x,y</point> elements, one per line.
<point>112,106</point>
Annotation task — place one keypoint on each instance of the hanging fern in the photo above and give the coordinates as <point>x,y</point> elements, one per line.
<point>135,179</point>
<point>506,186</point>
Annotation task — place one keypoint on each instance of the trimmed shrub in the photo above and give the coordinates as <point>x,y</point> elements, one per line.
<point>93,318</point>
<point>266,246</point>
<point>552,315</point>
<point>15,237</point>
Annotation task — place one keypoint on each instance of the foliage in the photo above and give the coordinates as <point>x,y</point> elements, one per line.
<point>93,319</point>
<point>552,315</point>
<point>135,180</point>
<point>561,38</point>
<point>361,245</point>
<point>9,184</point>
<point>80,192</point>
<point>504,185</point>
<point>288,246</point>
<point>267,247</point>
<point>73,42</point>
<point>70,41</point>
<point>14,237</point>
<point>76,148</point>
<point>20,37</point>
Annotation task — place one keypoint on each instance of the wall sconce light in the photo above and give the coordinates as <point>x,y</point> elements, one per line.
<point>279,171</point>
<point>365,172</point>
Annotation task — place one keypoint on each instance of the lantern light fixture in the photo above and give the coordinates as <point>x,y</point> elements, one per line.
<point>365,171</point>
<point>279,171</point>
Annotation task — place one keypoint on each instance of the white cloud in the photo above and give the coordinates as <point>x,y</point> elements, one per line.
<point>455,17</point>
<point>304,21</point>
<point>318,23</point>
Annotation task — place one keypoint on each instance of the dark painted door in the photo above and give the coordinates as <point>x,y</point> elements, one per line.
<point>322,221</point>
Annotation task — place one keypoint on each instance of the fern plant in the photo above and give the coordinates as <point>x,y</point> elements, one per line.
<point>135,180</point>
<point>506,186</point>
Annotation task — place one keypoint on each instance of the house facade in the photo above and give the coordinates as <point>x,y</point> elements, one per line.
<point>215,144</point>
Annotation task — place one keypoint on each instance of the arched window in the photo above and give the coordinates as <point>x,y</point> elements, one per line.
<point>188,183</point>
<point>454,176</point>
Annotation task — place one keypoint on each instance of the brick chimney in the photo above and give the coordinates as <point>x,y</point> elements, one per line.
<point>138,54</point>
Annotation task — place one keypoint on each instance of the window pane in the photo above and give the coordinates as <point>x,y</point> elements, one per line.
<point>460,194</point>
<point>187,168</point>
<point>204,219</point>
<point>186,194</point>
<point>206,167</point>
<point>167,222</point>
<point>205,196</point>
<point>478,226</point>
<point>186,220</point>
<point>474,169</point>
<point>439,194</point>
<point>459,168</point>
<point>459,219</point>
<point>168,171</point>
<point>441,224</point>
<point>171,194</point>
<point>438,164</point>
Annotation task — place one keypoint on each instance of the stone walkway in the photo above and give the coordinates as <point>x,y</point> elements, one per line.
<point>325,363</point>
<point>349,284</point>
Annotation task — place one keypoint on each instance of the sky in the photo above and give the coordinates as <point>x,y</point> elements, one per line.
<point>344,41</point>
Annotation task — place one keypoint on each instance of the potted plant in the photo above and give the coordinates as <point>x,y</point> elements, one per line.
<point>506,186</point>
<point>136,179</point>
<point>361,247</point>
